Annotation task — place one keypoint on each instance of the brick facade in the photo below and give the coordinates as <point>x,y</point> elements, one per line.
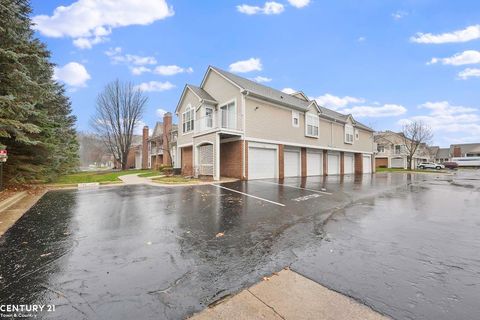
<point>281,162</point>
<point>145,148</point>
<point>303,162</point>
<point>342,162</point>
<point>358,163</point>
<point>325,162</point>
<point>231,159</point>
<point>167,131</point>
<point>187,161</point>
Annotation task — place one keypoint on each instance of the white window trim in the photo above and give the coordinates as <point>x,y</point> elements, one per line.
<point>295,115</point>
<point>306,125</point>
<point>348,131</point>
<point>188,109</point>
<point>234,101</point>
<point>213,115</point>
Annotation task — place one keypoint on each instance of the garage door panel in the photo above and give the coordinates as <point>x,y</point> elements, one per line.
<point>397,163</point>
<point>292,163</point>
<point>261,163</point>
<point>333,164</point>
<point>367,164</point>
<point>314,163</point>
<point>349,164</point>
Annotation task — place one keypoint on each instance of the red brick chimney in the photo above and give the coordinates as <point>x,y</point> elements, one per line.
<point>167,130</point>
<point>145,148</point>
<point>457,152</point>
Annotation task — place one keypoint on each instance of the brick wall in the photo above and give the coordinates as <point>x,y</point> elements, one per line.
<point>358,163</point>
<point>145,148</point>
<point>167,130</point>
<point>342,162</point>
<point>303,161</point>
<point>231,159</point>
<point>187,161</point>
<point>325,162</point>
<point>457,152</point>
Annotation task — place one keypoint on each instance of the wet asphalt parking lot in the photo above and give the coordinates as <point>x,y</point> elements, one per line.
<point>408,245</point>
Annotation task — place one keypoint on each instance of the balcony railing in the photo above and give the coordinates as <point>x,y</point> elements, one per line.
<point>225,120</point>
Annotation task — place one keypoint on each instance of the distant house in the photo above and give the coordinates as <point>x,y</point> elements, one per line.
<point>440,155</point>
<point>464,150</point>
<point>392,152</point>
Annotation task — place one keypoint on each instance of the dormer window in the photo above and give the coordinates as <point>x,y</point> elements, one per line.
<point>188,119</point>
<point>348,134</point>
<point>295,119</point>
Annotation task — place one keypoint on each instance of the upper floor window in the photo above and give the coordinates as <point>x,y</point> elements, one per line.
<point>398,149</point>
<point>348,134</point>
<point>295,118</point>
<point>381,149</point>
<point>188,119</point>
<point>357,134</point>
<point>208,117</point>
<point>228,115</point>
<point>311,125</point>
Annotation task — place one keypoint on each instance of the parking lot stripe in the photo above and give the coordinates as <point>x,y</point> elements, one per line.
<point>249,195</point>
<point>286,185</point>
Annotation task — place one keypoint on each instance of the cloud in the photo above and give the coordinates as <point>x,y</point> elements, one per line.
<point>261,79</point>
<point>299,3</point>
<point>289,90</point>
<point>155,86</point>
<point>462,58</point>
<point>171,70</point>
<point>116,56</point>
<point>89,22</point>
<point>397,15</point>
<point>361,39</point>
<point>140,70</point>
<point>334,102</point>
<point>469,73</point>
<point>73,74</point>
<point>445,118</point>
<point>269,8</point>
<point>160,112</point>
<point>387,110</point>
<point>464,35</point>
<point>252,64</point>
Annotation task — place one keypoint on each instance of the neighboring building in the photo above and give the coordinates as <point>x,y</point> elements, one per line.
<point>464,150</point>
<point>465,155</point>
<point>151,151</point>
<point>440,154</point>
<point>392,152</point>
<point>234,127</point>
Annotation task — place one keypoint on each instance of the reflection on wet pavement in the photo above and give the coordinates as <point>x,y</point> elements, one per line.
<point>407,245</point>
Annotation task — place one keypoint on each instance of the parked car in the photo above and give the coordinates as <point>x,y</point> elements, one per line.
<point>450,165</point>
<point>430,165</point>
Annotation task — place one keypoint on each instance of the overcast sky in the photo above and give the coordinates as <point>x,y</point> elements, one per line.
<point>383,61</point>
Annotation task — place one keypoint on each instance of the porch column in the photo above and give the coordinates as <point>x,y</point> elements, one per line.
<point>216,173</point>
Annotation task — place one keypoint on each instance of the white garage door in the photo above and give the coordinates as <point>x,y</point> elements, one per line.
<point>397,163</point>
<point>349,164</point>
<point>333,164</point>
<point>262,163</point>
<point>367,164</point>
<point>314,163</point>
<point>292,163</point>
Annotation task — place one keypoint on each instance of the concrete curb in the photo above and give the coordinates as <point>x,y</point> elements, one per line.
<point>7,203</point>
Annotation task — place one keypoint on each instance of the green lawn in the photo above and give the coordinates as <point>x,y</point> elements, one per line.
<point>175,180</point>
<point>97,176</point>
<point>152,173</point>
<point>405,170</point>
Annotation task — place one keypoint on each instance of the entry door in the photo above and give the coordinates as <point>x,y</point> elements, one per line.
<point>367,164</point>
<point>349,164</point>
<point>262,163</point>
<point>333,164</point>
<point>314,163</point>
<point>292,163</point>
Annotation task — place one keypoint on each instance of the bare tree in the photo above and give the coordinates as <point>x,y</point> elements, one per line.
<point>415,133</point>
<point>119,109</point>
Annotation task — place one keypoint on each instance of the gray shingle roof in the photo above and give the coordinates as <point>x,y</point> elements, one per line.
<point>282,97</point>
<point>443,153</point>
<point>201,93</point>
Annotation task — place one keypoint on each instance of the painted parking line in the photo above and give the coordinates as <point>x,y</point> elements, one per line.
<point>249,195</point>
<point>286,185</point>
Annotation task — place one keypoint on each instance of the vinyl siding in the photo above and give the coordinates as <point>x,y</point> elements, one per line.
<point>192,99</point>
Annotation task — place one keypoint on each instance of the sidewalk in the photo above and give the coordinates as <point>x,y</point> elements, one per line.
<point>289,295</point>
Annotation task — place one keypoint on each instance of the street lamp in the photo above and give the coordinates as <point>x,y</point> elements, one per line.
<point>3,159</point>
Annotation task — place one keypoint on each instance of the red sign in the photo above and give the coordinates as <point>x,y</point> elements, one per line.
<point>3,152</point>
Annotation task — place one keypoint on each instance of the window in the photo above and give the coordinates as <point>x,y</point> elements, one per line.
<point>381,149</point>
<point>348,134</point>
<point>311,124</point>
<point>357,134</point>
<point>398,149</point>
<point>188,119</point>
<point>295,119</point>
<point>208,117</point>
<point>228,116</point>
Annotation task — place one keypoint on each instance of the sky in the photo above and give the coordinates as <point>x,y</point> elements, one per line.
<point>385,62</point>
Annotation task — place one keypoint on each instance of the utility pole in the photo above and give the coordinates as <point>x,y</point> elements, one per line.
<point>3,159</point>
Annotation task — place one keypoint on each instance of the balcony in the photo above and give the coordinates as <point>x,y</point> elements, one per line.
<point>218,120</point>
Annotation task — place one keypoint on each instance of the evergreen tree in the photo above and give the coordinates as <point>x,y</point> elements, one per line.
<point>36,124</point>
